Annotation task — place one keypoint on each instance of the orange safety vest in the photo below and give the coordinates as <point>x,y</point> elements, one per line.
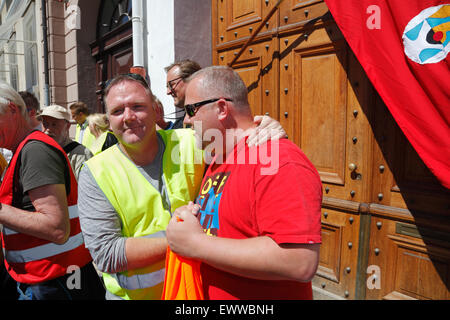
<point>32,260</point>
<point>183,279</point>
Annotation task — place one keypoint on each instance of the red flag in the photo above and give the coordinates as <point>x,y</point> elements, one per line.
<point>404,47</point>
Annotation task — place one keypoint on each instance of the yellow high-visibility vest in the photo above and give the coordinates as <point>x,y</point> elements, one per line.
<point>88,137</point>
<point>140,206</point>
<point>97,146</point>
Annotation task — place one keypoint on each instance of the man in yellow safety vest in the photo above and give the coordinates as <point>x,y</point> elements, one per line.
<point>83,134</point>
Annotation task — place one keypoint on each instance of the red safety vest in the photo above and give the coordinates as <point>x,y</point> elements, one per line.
<point>32,260</point>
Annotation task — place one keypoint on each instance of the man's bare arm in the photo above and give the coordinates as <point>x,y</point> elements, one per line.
<point>258,258</point>
<point>51,219</point>
<point>142,252</point>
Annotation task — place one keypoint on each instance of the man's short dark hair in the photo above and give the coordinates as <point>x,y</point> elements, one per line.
<point>31,102</point>
<point>78,107</point>
<point>187,67</point>
<point>127,77</point>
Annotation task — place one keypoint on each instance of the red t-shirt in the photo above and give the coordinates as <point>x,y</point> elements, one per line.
<point>272,190</point>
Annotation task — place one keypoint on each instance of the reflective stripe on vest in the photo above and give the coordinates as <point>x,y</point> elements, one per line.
<point>140,281</point>
<point>139,204</point>
<point>30,259</point>
<point>46,250</point>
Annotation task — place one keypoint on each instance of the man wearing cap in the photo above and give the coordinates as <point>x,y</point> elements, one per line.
<point>56,124</point>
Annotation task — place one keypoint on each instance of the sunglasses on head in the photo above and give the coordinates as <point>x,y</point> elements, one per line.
<point>133,76</point>
<point>191,109</point>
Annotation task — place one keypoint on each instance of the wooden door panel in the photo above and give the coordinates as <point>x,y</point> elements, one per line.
<point>249,71</point>
<point>237,19</point>
<point>111,63</point>
<point>418,276</point>
<point>317,103</point>
<point>258,69</point>
<point>249,68</point>
<point>400,179</point>
<point>338,253</point>
<point>293,48</point>
<point>411,266</point>
<point>243,11</point>
<point>329,263</point>
<point>321,105</point>
<point>317,98</point>
<point>297,12</point>
<point>122,61</point>
<point>114,55</point>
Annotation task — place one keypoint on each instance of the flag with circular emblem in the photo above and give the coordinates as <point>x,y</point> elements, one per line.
<point>404,47</point>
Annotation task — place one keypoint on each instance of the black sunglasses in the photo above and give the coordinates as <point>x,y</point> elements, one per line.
<point>191,109</point>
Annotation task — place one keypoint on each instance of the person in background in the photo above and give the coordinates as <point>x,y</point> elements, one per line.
<point>8,289</point>
<point>83,135</point>
<point>100,128</point>
<point>33,109</point>
<point>177,72</point>
<point>255,226</point>
<point>56,124</point>
<point>8,286</point>
<point>159,110</point>
<point>41,237</point>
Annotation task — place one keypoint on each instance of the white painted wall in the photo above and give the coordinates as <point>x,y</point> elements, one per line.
<point>159,35</point>
<point>193,31</point>
<point>175,30</point>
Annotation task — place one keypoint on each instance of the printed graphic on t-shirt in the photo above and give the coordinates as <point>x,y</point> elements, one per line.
<point>209,199</point>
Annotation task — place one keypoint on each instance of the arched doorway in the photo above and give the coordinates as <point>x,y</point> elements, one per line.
<point>113,47</point>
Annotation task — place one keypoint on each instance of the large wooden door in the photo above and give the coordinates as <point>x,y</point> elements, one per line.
<point>113,48</point>
<point>385,220</point>
<point>257,65</point>
<point>409,219</point>
<point>256,69</point>
<point>114,55</point>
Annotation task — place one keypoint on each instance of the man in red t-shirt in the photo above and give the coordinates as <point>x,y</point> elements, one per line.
<point>256,222</point>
